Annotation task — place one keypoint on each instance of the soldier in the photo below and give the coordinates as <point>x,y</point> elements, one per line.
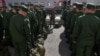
<point>70,13</point>
<point>97,46</point>
<point>33,22</point>
<point>85,30</point>
<point>7,18</point>
<point>44,25</point>
<point>64,17</point>
<point>31,7</point>
<point>39,31</point>
<point>1,34</point>
<point>43,12</point>
<point>52,18</point>
<point>79,10</point>
<point>20,31</point>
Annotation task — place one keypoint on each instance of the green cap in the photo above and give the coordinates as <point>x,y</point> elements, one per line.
<point>79,5</point>
<point>24,8</point>
<point>91,6</point>
<point>74,4</point>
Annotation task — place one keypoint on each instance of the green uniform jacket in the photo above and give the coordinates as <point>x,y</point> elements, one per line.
<point>64,14</point>
<point>43,15</point>
<point>39,19</point>
<point>73,20</point>
<point>33,22</point>
<point>20,28</point>
<point>70,14</point>
<point>86,28</point>
<point>7,18</point>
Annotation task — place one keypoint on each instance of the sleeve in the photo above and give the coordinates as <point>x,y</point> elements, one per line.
<point>77,29</point>
<point>98,33</point>
<point>5,21</point>
<point>72,23</point>
<point>69,19</point>
<point>64,15</point>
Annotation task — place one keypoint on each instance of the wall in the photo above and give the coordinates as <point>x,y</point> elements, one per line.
<point>49,1</point>
<point>34,1</point>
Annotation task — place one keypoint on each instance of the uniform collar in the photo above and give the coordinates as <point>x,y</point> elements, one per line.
<point>89,13</point>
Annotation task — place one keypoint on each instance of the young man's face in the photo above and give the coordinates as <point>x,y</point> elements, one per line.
<point>22,12</point>
<point>79,9</point>
<point>87,10</point>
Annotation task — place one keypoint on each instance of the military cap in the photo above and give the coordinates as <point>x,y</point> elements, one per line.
<point>91,6</point>
<point>79,5</point>
<point>74,4</point>
<point>24,8</point>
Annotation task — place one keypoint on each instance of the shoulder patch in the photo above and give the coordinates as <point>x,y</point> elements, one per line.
<point>26,19</point>
<point>81,16</point>
<point>97,17</point>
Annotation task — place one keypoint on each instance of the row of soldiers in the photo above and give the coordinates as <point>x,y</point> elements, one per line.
<point>82,29</point>
<point>23,28</point>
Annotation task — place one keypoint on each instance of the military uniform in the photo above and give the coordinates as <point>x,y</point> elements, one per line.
<point>33,24</point>
<point>79,6</point>
<point>52,18</point>
<point>64,18</point>
<point>1,28</point>
<point>20,32</point>
<point>85,30</point>
<point>44,25</point>
<point>97,43</point>
<point>70,14</point>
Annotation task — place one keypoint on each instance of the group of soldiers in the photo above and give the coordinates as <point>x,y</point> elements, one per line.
<point>82,28</point>
<point>24,29</point>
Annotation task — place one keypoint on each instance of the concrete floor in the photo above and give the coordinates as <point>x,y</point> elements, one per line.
<point>55,44</point>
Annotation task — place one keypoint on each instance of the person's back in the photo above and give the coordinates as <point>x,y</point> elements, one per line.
<point>89,26</point>
<point>16,28</point>
<point>85,31</point>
